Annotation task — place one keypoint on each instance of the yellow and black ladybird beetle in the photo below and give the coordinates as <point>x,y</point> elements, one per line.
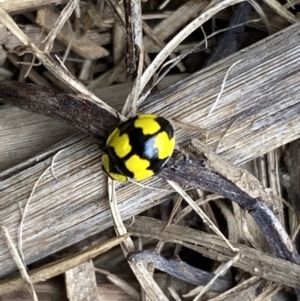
<point>138,148</point>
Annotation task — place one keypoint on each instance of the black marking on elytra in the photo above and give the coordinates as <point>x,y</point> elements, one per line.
<point>118,167</point>
<point>142,145</point>
<point>157,164</point>
<point>166,126</point>
<point>127,126</point>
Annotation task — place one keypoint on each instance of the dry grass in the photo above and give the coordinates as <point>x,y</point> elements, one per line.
<point>79,47</point>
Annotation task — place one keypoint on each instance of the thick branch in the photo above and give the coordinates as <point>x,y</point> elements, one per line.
<point>181,270</point>
<point>196,172</point>
<point>81,113</point>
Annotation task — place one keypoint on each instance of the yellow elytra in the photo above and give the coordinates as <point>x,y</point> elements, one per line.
<point>138,148</point>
